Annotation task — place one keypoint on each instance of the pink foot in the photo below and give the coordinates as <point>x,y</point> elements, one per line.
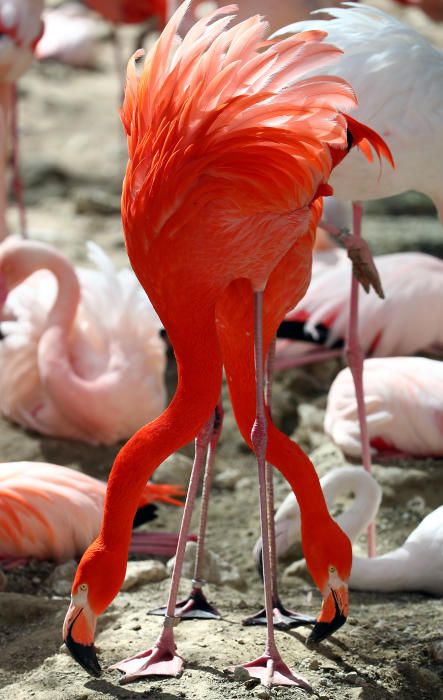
<point>273,671</point>
<point>161,660</point>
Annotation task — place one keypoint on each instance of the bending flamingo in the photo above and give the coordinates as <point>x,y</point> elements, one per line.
<point>228,153</point>
<point>415,566</point>
<point>81,355</point>
<point>52,512</point>
<point>403,403</point>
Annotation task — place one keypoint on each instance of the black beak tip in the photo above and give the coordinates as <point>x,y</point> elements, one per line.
<point>323,630</point>
<point>85,655</point>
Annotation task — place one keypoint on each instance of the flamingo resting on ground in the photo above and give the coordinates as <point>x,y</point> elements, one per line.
<point>81,356</point>
<point>52,512</point>
<point>228,154</point>
<point>415,566</point>
<point>409,320</point>
<point>20,29</point>
<point>403,403</point>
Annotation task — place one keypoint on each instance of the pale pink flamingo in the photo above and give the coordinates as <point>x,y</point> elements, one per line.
<point>394,70</point>
<point>70,36</point>
<point>81,356</point>
<point>53,512</point>
<point>404,405</point>
<point>20,29</point>
<point>415,566</point>
<point>407,321</point>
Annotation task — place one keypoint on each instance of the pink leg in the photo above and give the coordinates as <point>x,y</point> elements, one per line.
<point>355,359</point>
<point>162,659</point>
<point>282,618</point>
<point>270,667</point>
<point>196,606</point>
<point>16,180</point>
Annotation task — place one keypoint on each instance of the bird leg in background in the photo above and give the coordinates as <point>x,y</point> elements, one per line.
<point>283,618</point>
<point>354,355</point>
<point>16,177</point>
<point>270,667</point>
<point>162,659</point>
<point>195,606</point>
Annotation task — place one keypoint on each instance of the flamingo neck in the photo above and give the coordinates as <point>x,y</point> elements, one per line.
<point>5,121</point>
<point>367,498</point>
<point>389,572</point>
<point>198,389</point>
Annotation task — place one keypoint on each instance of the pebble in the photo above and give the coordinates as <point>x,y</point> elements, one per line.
<point>215,569</point>
<point>436,650</point>
<point>240,674</point>
<point>60,580</point>
<point>140,572</point>
<point>314,664</point>
<point>176,469</point>
<point>351,677</point>
<point>227,479</point>
<point>417,504</point>
<point>262,693</point>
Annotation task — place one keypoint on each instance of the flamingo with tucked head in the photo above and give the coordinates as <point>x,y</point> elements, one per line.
<point>81,356</point>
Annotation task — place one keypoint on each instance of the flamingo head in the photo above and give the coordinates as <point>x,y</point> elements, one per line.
<point>98,579</point>
<point>329,561</point>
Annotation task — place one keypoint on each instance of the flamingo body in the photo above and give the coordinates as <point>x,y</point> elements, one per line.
<point>70,36</point>
<point>408,320</point>
<point>394,71</point>
<point>81,355</point>
<point>52,512</point>
<point>403,404</point>
<point>129,11</point>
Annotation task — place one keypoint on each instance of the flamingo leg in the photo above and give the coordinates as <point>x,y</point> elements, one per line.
<point>196,606</point>
<point>282,617</point>
<point>16,179</point>
<point>162,659</point>
<point>270,667</point>
<point>354,355</point>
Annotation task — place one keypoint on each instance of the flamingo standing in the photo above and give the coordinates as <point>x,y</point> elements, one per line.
<point>20,28</point>
<point>52,512</point>
<point>403,403</point>
<point>81,356</point>
<point>228,153</point>
<point>415,566</point>
<point>392,68</point>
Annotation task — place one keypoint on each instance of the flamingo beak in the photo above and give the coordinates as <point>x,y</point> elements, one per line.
<point>334,611</point>
<point>78,635</point>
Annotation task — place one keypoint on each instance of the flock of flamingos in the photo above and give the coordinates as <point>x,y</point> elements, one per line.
<point>234,140</point>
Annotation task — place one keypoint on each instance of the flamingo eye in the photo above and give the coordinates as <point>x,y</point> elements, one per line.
<point>332,569</point>
<point>83,587</point>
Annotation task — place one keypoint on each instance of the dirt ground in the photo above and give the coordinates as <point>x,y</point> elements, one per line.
<point>73,160</point>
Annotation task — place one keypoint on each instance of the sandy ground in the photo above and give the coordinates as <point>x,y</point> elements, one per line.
<point>73,156</point>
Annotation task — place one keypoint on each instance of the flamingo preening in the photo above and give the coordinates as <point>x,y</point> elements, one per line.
<point>415,566</point>
<point>81,356</point>
<point>52,512</point>
<point>228,154</point>
<point>403,403</point>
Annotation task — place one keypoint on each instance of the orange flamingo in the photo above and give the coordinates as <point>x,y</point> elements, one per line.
<point>228,154</point>
<point>52,512</point>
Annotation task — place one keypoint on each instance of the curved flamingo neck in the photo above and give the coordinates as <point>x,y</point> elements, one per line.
<point>198,389</point>
<point>367,498</point>
<point>389,572</point>
<point>20,259</point>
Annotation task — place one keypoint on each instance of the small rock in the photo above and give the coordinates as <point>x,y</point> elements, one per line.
<point>227,479</point>
<point>436,650</point>
<point>176,469</point>
<point>215,570</point>
<point>314,664</point>
<point>140,572</point>
<point>262,693</point>
<point>417,504</point>
<point>251,683</point>
<point>60,580</point>
<point>351,677</point>
<point>240,674</point>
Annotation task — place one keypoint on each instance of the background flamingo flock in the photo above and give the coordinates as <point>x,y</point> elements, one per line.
<point>235,148</point>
